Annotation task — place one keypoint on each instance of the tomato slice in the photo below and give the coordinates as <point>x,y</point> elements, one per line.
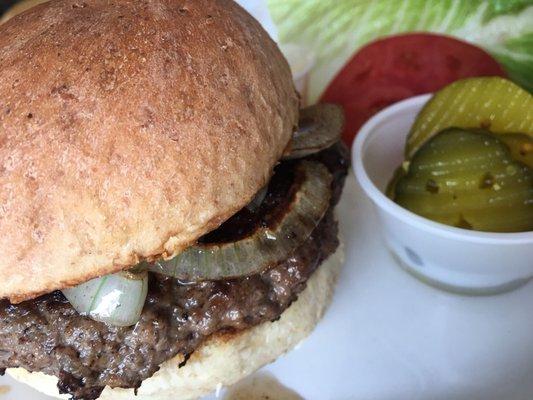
<point>397,67</point>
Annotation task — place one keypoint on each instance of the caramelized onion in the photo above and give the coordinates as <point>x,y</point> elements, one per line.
<point>320,127</point>
<point>258,199</point>
<point>267,245</point>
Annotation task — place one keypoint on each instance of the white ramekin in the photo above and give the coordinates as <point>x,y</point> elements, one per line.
<point>451,258</point>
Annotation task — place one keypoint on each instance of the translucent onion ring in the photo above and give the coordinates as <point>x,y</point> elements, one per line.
<point>116,299</point>
<point>266,246</point>
<point>320,127</point>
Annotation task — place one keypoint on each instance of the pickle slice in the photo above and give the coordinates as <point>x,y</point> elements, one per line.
<point>491,103</point>
<point>468,179</point>
<point>521,147</point>
<point>391,187</point>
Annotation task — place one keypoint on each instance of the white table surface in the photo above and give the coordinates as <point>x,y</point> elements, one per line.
<point>389,336</point>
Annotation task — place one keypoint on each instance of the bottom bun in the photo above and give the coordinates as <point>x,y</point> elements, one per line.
<point>224,359</point>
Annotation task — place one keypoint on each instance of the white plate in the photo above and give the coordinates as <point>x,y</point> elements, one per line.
<point>388,336</point>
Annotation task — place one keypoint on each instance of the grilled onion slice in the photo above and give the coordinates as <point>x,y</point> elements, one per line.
<point>115,299</point>
<point>320,127</point>
<point>258,199</point>
<point>267,245</point>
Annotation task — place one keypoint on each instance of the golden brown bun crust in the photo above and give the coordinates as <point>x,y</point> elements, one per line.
<point>127,130</point>
<point>224,360</point>
<point>19,7</point>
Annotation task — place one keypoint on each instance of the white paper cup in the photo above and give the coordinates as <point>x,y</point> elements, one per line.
<point>301,60</point>
<point>452,258</point>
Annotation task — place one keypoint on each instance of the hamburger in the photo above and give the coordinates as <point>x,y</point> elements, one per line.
<point>167,214</point>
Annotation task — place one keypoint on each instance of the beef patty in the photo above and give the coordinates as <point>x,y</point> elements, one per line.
<point>46,334</point>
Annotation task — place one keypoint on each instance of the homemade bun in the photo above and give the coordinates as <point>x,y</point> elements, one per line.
<point>18,8</point>
<point>223,360</point>
<point>127,130</point>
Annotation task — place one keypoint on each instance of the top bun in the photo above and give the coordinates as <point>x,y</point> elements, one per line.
<point>19,7</point>
<point>127,130</point>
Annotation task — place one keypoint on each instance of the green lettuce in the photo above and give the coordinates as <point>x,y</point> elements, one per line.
<point>336,29</point>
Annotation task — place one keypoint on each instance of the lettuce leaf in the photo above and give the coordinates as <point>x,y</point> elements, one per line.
<point>335,30</point>
<point>516,55</point>
<point>500,7</point>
